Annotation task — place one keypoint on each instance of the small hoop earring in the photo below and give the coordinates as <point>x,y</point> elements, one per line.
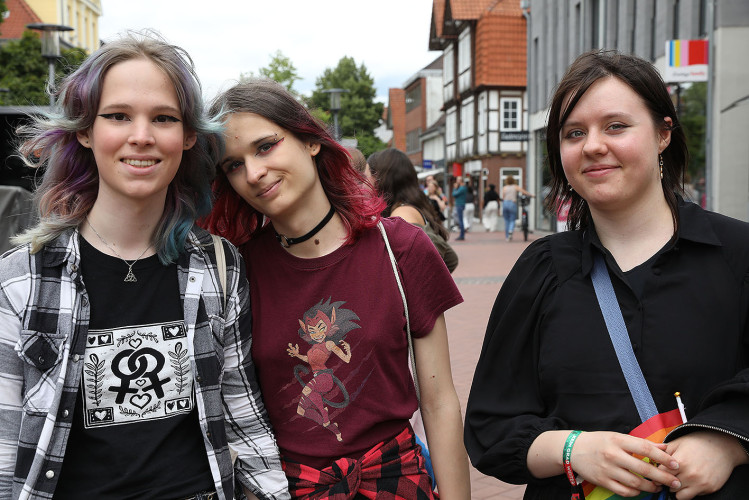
<point>660,163</point>
<point>569,187</point>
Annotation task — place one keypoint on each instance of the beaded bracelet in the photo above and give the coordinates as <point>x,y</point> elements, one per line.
<point>566,453</point>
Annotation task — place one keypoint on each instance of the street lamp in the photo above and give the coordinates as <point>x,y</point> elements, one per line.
<point>335,107</point>
<point>50,48</point>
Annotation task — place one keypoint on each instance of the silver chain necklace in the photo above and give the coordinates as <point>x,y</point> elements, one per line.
<point>130,277</point>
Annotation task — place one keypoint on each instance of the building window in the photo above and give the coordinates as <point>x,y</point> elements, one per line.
<point>652,31</point>
<point>464,51</point>
<point>482,113</point>
<point>451,126</point>
<point>633,27</point>
<point>703,18</point>
<point>597,32</point>
<point>466,119</point>
<point>69,21</point>
<point>578,29</point>
<point>447,65</point>
<point>413,98</point>
<point>412,141</point>
<point>510,109</point>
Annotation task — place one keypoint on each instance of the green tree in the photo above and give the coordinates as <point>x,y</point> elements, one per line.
<point>359,114</point>
<point>25,71</point>
<point>693,121</point>
<point>3,10</point>
<point>280,69</point>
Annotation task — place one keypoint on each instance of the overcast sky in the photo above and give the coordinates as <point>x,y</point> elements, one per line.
<point>229,37</point>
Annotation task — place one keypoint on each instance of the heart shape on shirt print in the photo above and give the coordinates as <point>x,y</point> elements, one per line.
<point>135,343</point>
<point>140,401</point>
<point>174,331</point>
<point>103,339</point>
<point>100,414</point>
<point>140,382</point>
<point>170,405</point>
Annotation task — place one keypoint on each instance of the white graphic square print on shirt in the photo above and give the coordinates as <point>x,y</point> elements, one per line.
<point>136,373</point>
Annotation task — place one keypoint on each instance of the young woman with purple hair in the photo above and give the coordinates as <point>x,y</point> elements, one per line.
<point>329,330</point>
<point>125,369</point>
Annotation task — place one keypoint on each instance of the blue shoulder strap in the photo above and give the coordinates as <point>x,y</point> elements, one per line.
<point>612,314</point>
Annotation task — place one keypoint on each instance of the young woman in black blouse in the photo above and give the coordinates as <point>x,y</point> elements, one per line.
<point>681,278</point>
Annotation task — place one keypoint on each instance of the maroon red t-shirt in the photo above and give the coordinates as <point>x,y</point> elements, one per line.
<point>329,338</point>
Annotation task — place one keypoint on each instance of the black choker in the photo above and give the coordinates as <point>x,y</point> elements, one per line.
<point>287,242</point>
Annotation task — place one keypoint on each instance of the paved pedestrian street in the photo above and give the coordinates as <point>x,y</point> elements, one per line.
<point>485,261</point>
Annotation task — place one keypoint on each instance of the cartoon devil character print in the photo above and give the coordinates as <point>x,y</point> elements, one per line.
<point>324,328</point>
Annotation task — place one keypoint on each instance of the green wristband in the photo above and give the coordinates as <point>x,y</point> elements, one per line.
<point>567,453</point>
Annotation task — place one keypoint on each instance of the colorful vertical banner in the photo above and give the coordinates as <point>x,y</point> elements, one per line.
<point>686,61</point>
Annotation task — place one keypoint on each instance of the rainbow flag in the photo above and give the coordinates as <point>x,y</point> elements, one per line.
<point>686,52</point>
<point>654,429</point>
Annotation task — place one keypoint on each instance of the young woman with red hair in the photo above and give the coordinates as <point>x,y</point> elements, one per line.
<point>329,330</point>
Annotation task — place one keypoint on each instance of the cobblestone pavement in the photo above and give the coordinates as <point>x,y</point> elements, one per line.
<point>485,261</point>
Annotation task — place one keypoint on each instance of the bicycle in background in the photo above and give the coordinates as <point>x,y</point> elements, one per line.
<point>523,201</point>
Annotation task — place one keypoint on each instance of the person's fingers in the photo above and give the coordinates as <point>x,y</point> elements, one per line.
<point>652,475</point>
<point>654,452</point>
<point>686,493</point>
<point>626,484</point>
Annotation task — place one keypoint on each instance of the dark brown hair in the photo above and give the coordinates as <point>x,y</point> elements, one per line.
<point>234,218</point>
<point>398,183</point>
<point>643,78</point>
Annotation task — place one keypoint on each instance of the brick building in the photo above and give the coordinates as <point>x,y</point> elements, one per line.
<point>414,114</point>
<point>483,43</point>
<point>19,14</point>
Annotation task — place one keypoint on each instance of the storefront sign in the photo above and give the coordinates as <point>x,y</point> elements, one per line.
<point>686,61</point>
<point>521,135</point>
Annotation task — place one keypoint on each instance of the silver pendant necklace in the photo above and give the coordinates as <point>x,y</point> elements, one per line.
<point>130,276</point>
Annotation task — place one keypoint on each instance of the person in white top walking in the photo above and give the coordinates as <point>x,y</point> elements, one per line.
<point>510,204</point>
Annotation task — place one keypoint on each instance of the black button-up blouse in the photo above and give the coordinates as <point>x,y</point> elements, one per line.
<point>547,361</point>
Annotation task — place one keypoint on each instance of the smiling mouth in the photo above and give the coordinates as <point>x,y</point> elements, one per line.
<point>598,168</point>
<point>139,163</point>
<point>269,188</point>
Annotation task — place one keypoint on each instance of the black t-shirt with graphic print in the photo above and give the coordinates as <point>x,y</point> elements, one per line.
<point>135,431</point>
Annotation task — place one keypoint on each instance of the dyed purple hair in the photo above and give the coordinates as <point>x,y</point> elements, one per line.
<point>70,183</point>
<point>346,188</point>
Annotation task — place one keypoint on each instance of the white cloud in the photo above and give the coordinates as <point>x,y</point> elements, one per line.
<point>228,37</point>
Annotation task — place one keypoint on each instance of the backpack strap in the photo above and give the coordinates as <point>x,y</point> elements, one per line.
<point>220,265</point>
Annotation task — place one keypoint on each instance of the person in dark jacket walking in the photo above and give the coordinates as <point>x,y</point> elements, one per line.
<point>491,209</point>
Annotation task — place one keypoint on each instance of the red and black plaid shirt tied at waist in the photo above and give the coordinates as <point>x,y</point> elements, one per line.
<point>393,469</point>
